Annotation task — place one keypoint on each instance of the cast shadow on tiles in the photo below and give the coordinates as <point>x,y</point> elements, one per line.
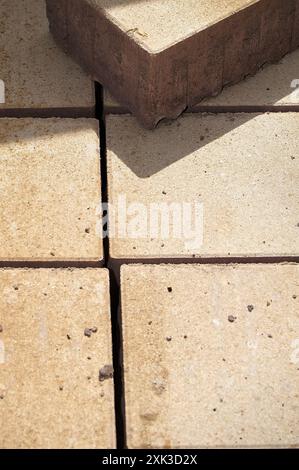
<point>148,152</point>
<point>146,163</point>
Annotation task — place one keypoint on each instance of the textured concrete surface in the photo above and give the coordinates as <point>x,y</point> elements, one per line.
<point>242,169</point>
<point>162,24</point>
<point>158,58</point>
<point>211,355</point>
<point>272,88</point>
<point>50,393</point>
<point>40,79</point>
<point>50,190</point>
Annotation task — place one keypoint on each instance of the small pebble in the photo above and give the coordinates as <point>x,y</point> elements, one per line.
<point>105,373</point>
<point>87,332</point>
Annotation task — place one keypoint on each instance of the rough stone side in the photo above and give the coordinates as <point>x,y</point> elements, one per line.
<point>162,85</point>
<point>295,41</point>
<point>81,27</point>
<point>125,67</point>
<point>276,29</point>
<point>57,15</point>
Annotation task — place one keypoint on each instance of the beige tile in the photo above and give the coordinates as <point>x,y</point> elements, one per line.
<point>211,355</point>
<point>50,393</point>
<point>39,78</point>
<point>50,190</point>
<point>241,169</point>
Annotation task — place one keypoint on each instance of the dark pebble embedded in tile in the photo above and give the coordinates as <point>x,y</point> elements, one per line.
<point>231,318</point>
<point>89,331</point>
<point>106,373</point>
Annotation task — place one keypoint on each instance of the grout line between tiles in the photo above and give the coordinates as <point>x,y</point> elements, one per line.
<point>117,343</point>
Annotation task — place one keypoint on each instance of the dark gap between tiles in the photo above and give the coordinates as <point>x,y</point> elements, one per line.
<point>117,342</point>
<point>114,265</point>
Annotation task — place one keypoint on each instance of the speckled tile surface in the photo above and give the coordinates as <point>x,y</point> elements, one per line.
<point>50,190</point>
<point>39,78</point>
<point>51,395</point>
<point>211,355</point>
<point>211,351</point>
<point>237,173</point>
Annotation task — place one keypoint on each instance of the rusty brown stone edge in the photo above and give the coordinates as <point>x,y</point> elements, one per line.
<point>63,264</point>
<point>70,112</point>
<point>154,86</point>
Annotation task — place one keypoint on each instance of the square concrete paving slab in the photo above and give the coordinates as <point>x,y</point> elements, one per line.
<point>40,80</point>
<point>274,87</point>
<point>50,393</point>
<point>205,186</point>
<point>50,191</point>
<point>211,355</point>
<point>157,58</point>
